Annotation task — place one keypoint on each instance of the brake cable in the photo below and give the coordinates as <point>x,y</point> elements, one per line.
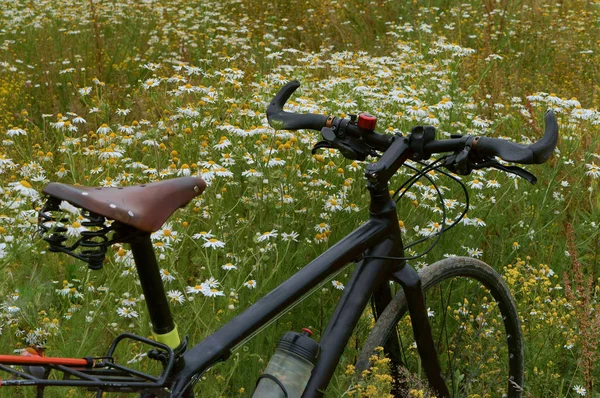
<point>415,177</point>
<point>409,183</point>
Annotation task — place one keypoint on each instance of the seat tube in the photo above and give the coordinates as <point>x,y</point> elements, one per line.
<point>163,327</point>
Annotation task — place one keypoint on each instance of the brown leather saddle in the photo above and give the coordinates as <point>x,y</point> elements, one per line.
<point>145,207</point>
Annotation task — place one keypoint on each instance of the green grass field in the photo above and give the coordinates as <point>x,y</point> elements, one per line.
<point>125,92</point>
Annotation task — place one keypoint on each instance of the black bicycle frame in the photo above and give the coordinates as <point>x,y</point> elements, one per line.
<point>377,248</point>
<point>379,237</point>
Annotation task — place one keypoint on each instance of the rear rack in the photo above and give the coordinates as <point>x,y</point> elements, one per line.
<point>99,373</point>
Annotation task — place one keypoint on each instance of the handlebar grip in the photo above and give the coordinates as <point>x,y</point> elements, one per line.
<point>536,153</point>
<point>280,119</point>
<point>542,150</point>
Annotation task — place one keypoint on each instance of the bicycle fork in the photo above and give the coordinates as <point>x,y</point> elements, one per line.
<point>410,281</point>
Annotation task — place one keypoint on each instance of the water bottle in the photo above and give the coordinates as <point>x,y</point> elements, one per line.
<point>289,369</point>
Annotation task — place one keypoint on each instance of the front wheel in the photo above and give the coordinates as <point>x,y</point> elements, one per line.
<point>475,327</point>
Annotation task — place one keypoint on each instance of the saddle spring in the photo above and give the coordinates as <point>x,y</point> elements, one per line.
<point>93,242</point>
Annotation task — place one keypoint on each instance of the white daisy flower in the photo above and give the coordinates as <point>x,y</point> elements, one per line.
<point>213,243</point>
<point>16,131</point>
<point>267,235</point>
<point>251,284</point>
<point>104,129</point>
<point>175,297</point>
<point>126,312</point>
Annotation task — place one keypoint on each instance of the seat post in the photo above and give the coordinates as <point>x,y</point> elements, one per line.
<point>165,330</point>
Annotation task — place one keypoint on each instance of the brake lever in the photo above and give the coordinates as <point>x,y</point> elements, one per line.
<point>321,144</point>
<point>346,145</point>
<point>460,164</point>
<point>507,169</point>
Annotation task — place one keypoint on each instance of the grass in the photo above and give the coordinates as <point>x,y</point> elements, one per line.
<point>182,88</point>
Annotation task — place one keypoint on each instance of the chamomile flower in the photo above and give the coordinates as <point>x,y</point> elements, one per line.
<point>338,285</point>
<point>166,276</point>
<point>184,170</point>
<point>212,292</point>
<point>479,122</point>
<point>192,70</point>
<point>227,160</point>
<point>204,235</point>
<point>434,226</point>
<point>492,184</point>
<point>85,91</point>
<point>110,153</point>
<point>210,165</point>
<point>593,170</point>
<point>250,284</point>
<point>68,207</point>
<point>211,282</point>
<point>322,227</point>
<point>123,112</point>
<point>213,243</point>
<point>128,301</point>
<point>126,312</point>
<point>475,253</point>
<point>127,129</point>
<point>478,222</point>
<point>252,173</point>
<point>223,172</point>
<point>104,129</point>
<point>166,233</point>
<point>194,289</point>
<point>12,309</point>
<point>475,184</point>
<point>24,188</point>
<point>75,229</point>
<point>287,199</point>
<point>267,235</point>
<point>175,297</point>
<point>223,143</point>
<point>188,88</point>
<point>15,132</point>
<point>149,83</point>
<point>333,204</point>
<point>276,162</point>
<point>353,166</point>
<point>293,236</point>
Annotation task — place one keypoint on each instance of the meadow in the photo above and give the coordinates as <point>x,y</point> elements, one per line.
<point>124,92</point>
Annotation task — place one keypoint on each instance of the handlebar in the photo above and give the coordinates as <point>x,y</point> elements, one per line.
<point>280,119</point>
<point>485,147</point>
<point>480,147</point>
<point>536,153</point>
<point>292,121</point>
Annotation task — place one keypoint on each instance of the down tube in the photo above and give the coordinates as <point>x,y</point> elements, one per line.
<point>217,346</point>
<point>367,275</point>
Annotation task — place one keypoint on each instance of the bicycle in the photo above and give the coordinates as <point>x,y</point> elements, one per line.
<point>376,247</point>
